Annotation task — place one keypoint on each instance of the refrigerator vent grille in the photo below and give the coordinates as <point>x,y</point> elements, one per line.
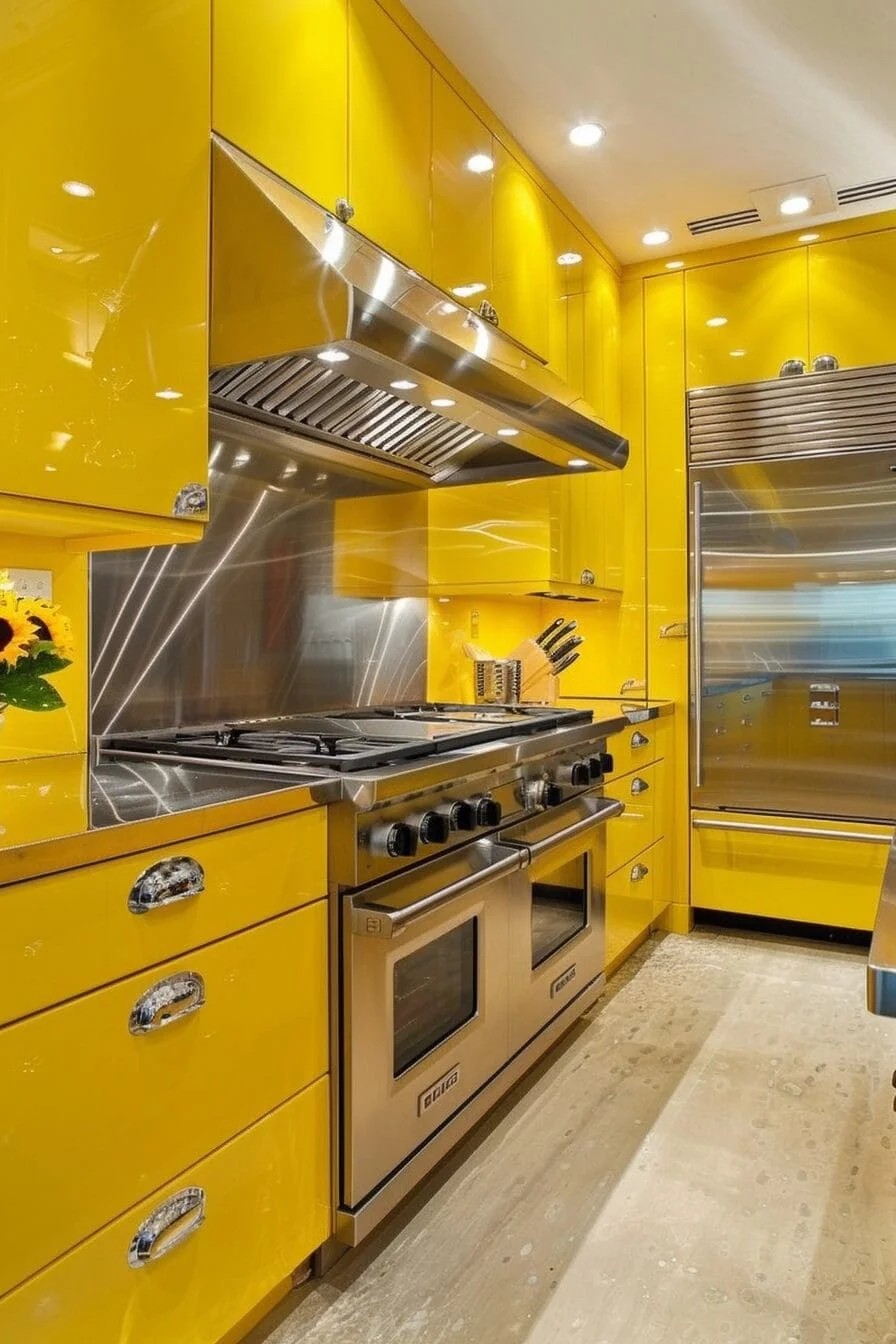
<point>302,394</point>
<point>815,413</point>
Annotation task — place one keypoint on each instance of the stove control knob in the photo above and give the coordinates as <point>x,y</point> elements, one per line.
<point>394,840</point>
<point>461,816</point>
<point>432,828</point>
<point>601,765</point>
<point>578,774</point>
<point>552,795</point>
<point>488,812</point>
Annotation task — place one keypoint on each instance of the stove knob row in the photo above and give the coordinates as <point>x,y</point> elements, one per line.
<point>461,815</point>
<point>394,840</point>
<point>488,811</point>
<point>578,774</point>
<point>432,828</point>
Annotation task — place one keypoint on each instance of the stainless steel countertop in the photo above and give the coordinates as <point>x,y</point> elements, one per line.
<point>881,973</point>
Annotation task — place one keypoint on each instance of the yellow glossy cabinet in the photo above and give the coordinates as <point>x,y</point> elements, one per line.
<point>280,88</point>
<point>261,1205</point>
<point>852,292</point>
<point>743,319</point>
<point>461,198</point>
<point>389,136</point>
<point>629,908</point>
<point>485,537</point>
<point>104,262</point>
<point>522,252</point>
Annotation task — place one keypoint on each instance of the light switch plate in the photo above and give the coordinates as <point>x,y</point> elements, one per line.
<point>33,582</point>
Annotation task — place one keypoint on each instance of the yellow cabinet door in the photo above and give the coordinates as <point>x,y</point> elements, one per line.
<point>852,291</point>
<point>461,197</point>
<point>788,868</point>
<point>629,896</point>
<point>601,337</point>
<point>633,831</point>
<point>104,256</point>
<point>260,1205</point>
<point>583,531</point>
<point>280,88</point>
<point>522,251</point>
<point>564,281</point>
<point>147,1075</point>
<point>743,319</point>
<point>484,536</point>
<point>389,136</point>
<point>633,748</point>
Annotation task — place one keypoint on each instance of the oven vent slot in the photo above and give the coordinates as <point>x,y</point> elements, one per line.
<point>734,220</point>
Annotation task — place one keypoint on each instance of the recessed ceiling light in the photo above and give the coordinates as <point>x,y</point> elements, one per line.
<point>674,265</point>
<point>447,308</point>
<point>441,401</point>
<point>241,458</point>
<point>57,251</point>
<point>403,385</point>
<point>467,291</point>
<point>737,354</point>
<point>794,205</point>
<point>480,163</point>
<point>169,394</point>
<point>716,321</point>
<point>656,237</point>
<point>569,258</point>
<point>808,237</point>
<point>332,356</point>
<point>586,134</point>
<point>508,432</point>
<point>73,188</point>
<point>577,462</point>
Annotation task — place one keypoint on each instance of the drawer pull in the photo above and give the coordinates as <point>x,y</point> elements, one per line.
<point>174,997</point>
<point>639,785</point>
<point>640,740</point>
<point>166,882</point>
<point>639,872</point>
<point>816,833</point>
<point>167,1226</point>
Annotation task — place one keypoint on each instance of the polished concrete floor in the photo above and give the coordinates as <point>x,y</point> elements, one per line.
<point>709,1157</point>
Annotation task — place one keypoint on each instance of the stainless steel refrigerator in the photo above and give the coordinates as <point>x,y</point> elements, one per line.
<point>793,595</point>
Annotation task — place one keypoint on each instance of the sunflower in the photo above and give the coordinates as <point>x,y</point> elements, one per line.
<point>48,623</point>
<point>17,633</point>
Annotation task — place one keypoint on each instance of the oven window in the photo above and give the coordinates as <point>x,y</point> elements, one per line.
<point>434,992</point>
<point>559,908</point>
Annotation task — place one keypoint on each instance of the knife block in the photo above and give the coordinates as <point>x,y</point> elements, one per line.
<point>538,684</point>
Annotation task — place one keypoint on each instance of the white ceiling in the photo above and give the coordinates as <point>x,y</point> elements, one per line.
<point>703,101</point>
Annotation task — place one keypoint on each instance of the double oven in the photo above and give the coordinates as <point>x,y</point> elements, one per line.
<point>456,974</point>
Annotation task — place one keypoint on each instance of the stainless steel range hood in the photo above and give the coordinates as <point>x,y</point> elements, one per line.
<point>313,326</point>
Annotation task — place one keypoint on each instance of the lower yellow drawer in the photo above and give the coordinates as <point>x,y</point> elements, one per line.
<point>96,1112</point>
<point>810,876</point>
<point>629,907</point>
<point>632,748</point>
<point>634,830</point>
<point>265,1198</point>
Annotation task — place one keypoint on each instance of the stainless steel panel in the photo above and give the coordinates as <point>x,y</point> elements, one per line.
<point>794,589</point>
<point>881,972</point>
<point>246,623</point>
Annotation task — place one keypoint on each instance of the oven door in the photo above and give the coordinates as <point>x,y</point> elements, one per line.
<point>425,1004</point>
<point>557,939</point>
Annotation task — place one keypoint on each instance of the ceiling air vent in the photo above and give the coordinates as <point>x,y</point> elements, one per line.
<point>870,191</point>
<point>735,220</point>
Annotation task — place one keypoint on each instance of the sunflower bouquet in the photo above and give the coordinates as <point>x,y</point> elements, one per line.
<point>35,641</point>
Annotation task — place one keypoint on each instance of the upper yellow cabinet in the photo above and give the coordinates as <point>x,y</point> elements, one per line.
<point>522,249</point>
<point>594,338</point>
<point>745,318</point>
<point>461,196</point>
<point>103,264</point>
<point>280,88</point>
<point>389,136</point>
<point>852,290</point>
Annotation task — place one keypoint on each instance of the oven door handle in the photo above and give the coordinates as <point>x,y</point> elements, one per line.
<point>600,811</point>
<point>372,921</point>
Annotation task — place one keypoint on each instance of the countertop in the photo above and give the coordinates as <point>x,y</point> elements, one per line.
<point>881,974</point>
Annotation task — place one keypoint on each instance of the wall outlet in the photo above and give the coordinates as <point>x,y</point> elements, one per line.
<point>33,582</point>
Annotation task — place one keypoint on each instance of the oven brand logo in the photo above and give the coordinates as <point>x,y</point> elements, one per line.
<point>563,980</point>
<point>428,1099</point>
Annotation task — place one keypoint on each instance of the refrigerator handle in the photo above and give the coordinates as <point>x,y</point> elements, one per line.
<point>697,628</point>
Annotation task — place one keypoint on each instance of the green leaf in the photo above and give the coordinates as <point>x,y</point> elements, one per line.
<point>47,660</point>
<point>25,691</point>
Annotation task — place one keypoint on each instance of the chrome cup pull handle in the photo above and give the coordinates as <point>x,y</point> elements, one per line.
<point>639,872</point>
<point>166,882</point>
<point>640,739</point>
<point>167,1226</point>
<point>174,997</point>
<point>639,785</point>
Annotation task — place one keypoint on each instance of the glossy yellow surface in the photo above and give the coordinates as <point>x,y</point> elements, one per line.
<point>70,932</point>
<point>495,534</point>
<point>41,797</point>
<point>788,877</point>
<point>267,1208</point>
<point>103,296</point>
<point>137,1108</point>
<point>522,253</point>
<point>628,834</point>
<point>390,136</point>
<point>280,86</point>
<point>628,750</point>
<point>764,302</point>
<point>461,199</point>
<point>852,292</point>
<point>629,895</point>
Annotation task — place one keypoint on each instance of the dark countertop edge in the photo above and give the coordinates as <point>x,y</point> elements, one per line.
<point>881,972</point>
<point>628,712</point>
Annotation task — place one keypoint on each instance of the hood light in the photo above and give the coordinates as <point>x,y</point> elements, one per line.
<point>82,189</point>
<point>403,385</point>
<point>577,462</point>
<point>717,321</point>
<point>794,205</point>
<point>737,354</point>
<point>467,291</point>
<point>508,432</point>
<point>441,401</point>
<point>586,134</point>
<point>447,308</point>
<point>332,356</point>
<point>480,163</point>
<point>656,237</point>
<point>169,394</point>
<point>569,258</point>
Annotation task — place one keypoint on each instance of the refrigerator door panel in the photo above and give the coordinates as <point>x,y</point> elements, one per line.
<point>793,579</point>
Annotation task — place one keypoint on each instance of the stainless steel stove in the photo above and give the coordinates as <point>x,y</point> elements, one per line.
<point>466,873</point>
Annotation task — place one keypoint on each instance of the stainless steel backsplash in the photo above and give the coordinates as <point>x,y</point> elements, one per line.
<point>248,623</point>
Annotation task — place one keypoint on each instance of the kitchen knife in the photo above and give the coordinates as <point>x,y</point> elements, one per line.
<point>566,628</point>
<point>567,662</point>
<point>545,635</point>
<point>557,654</point>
